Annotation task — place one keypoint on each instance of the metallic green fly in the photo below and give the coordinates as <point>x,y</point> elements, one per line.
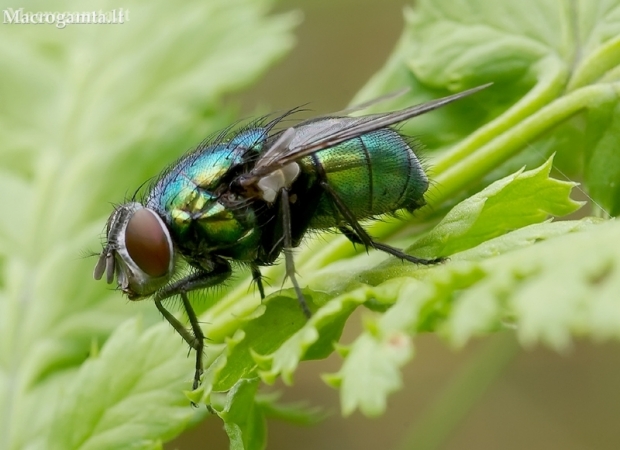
<point>250,195</point>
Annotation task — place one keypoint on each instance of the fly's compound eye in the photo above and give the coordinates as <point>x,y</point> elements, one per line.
<point>139,251</point>
<point>148,243</point>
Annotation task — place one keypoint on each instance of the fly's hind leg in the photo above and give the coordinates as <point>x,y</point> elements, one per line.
<point>357,235</point>
<point>353,237</point>
<point>199,280</point>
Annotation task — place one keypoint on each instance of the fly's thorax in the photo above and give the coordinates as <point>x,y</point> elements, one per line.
<point>139,251</point>
<point>205,224</point>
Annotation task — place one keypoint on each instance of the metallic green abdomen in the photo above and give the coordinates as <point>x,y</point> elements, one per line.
<point>374,174</point>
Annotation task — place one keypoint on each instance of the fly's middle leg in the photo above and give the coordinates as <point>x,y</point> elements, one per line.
<point>288,251</point>
<point>257,277</point>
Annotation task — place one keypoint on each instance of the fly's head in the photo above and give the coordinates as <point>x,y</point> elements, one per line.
<point>138,251</point>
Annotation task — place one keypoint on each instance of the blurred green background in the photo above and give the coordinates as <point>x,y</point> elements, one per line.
<point>522,399</point>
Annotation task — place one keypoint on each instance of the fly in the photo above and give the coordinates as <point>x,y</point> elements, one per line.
<point>251,196</point>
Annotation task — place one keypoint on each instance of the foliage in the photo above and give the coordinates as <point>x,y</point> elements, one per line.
<point>89,114</point>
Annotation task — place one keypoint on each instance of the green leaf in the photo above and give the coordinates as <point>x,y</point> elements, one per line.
<point>602,172</point>
<point>281,318</point>
<point>89,113</point>
<point>314,340</point>
<point>504,281</point>
<point>372,365</point>
<point>277,339</point>
<point>508,204</point>
<point>298,413</point>
<point>372,371</point>
<point>465,42</point>
<point>244,420</point>
<point>562,286</point>
<point>127,396</point>
<point>550,62</point>
<point>518,200</point>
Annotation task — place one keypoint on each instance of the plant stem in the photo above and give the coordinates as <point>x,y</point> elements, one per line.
<point>552,78</point>
<point>460,174</point>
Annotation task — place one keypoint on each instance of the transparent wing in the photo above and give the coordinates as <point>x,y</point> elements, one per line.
<point>294,144</point>
<point>373,102</point>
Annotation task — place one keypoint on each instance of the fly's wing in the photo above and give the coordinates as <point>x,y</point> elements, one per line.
<point>373,102</point>
<point>292,145</point>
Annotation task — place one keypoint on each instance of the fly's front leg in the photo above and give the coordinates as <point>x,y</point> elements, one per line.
<point>199,280</point>
<point>288,251</point>
<point>357,235</point>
